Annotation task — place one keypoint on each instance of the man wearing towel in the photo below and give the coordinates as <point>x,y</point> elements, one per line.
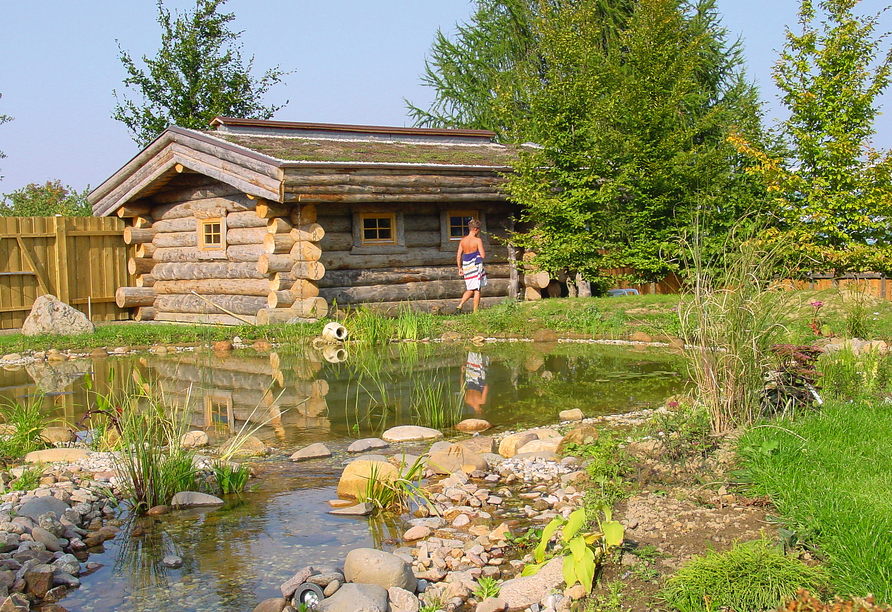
<point>470,264</point>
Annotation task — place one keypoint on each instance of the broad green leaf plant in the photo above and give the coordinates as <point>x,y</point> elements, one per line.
<point>582,551</point>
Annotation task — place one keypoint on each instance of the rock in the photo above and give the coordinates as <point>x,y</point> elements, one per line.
<point>222,346</point>
<point>332,588</point>
<point>473,425</point>
<point>410,433</point>
<point>326,577</point>
<point>363,509</point>
<point>290,586</point>
<point>35,508</point>
<point>571,415</point>
<point>172,561</point>
<point>640,336</point>
<point>576,592</point>
<point>313,451</point>
<point>546,455</point>
<point>366,444</point>
<point>456,459</point>
<point>492,604</point>
<point>355,477</point>
<point>581,435</point>
<point>53,455</point>
<point>439,447</point>
<point>370,566</point>
<point>356,598</point>
<point>341,503</point>
<point>402,600</point>
<point>418,532</point>
<point>479,444</point>
<point>522,592</point>
<point>11,357</point>
<point>537,446</point>
<point>262,346</point>
<point>15,603</point>
<point>250,446</point>
<point>274,604</point>
<point>194,439</point>
<point>39,579</point>
<point>46,538</point>
<point>544,335</point>
<point>98,353</point>
<point>49,315</point>
<point>509,444</point>
<point>194,499</point>
<point>450,336</point>
<point>58,435</point>
<point>158,510</point>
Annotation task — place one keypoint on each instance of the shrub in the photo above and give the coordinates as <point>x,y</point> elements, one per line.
<point>749,576</point>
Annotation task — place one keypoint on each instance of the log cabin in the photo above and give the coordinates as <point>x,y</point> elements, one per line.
<point>272,221</point>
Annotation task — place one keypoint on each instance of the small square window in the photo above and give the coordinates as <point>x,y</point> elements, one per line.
<point>378,228</point>
<point>212,234</point>
<point>458,222</point>
<point>218,413</point>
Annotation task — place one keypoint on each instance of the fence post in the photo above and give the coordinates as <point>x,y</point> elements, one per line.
<point>62,263</point>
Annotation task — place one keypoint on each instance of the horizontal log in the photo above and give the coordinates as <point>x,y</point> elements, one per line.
<point>183,224</point>
<point>205,270</point>
<point>334,222</point>
<point>379,198</point>
<point>277,243</point>
<point>279,225</point>
<point>244,252</point>
<point>204,319</point>
<point>215,205</point>
<point>260,364</point>
<point>419,190</point>
<point>140,265</point>
<point>247,218</point>
<point>246,235</point>
<point>214,286</point>
<point>130,297</point>
<point>269,263</point>
<point>267,210</point>
<point>176,239</point>
<point>431,290</point>
<point>339,241</point>
<point>281,281</point>
<point>211,304</point>
<point>341,260</point>
<point>145,313</point>
<point>209,376</point>
<point>282,243</point>
<point>134,235</point>
<point>302,215</point>
<point>312,232</point>
<point>134,210</point>
<point>416,239</point>
<point>302,290</point>
<point>537,280</point>
<point>279,299</point>
<point>306,251</point>
<point>531,293</point>
<point>393,276</point>
<point>146,250</point>
<point>380,178</point>
<point>145,280</point>
<point>313,308</point>
<point>311,270</point>
<point>142,222</point>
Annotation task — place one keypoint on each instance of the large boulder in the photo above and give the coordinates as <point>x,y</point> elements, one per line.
<point>53,455</point>
<point>522,592</point>
<point>371,566</point>
<point>356,598</point>
<point>537,446</point>
<point>249,446</point>
<point>456,458</point>
<point>49,315</point>
<point>357,474</point>
<point>510,444</point>
<point>479,444</point>
<point>39,506</point>
<point>194,499</point>
<point>410,433</point>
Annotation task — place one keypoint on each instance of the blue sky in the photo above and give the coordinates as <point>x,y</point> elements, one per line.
<point>352,61</point>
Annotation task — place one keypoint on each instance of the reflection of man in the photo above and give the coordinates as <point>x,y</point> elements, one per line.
<point>476,388</point>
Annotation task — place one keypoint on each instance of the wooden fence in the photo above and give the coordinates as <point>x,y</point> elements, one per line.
<point>80,260</point>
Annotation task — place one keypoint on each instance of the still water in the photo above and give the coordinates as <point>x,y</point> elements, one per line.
<point>237,555</point>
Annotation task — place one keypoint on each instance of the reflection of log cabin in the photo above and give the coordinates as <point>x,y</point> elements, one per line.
<point>225,393</point>
<point>270,220</point>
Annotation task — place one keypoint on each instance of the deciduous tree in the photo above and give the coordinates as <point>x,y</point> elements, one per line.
<point>3,119</point>
<point>46,200</point>
<point>197,74</point>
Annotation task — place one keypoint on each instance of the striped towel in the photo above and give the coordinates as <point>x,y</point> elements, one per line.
<point>472,271</point>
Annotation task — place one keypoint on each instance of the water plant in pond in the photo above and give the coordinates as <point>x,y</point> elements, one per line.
<point>230,477</point>
<point>369,327</point>
<point>486,587</point>
<point>582,551</point>
<point>413,324</point>
<point>24,423</point>
<point>396,495</point>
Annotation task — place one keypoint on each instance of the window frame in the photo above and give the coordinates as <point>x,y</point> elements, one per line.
<point>363,247</point>
<point>449,243</point>
<point>201,224</point>
<point>377,242</point>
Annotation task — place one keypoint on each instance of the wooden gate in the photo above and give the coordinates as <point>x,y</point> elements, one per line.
<point>80,260</point>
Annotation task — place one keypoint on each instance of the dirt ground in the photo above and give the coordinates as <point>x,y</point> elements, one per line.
<point>681,511</point>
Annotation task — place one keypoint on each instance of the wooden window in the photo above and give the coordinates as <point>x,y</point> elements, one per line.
<point>458,223</point>
<point>212,234</point>
<point>218,412</point>
<point>378,228</point>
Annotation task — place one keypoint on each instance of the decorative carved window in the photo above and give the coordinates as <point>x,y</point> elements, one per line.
<point>377,228</point>
<point>212,234</point>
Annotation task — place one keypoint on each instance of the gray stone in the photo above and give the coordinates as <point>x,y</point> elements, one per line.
<point>362,509</point>
<point>522,592</point>
<point>417,532</point>
<point>172,561</point>
<point>34,508</point>
<point>366,444</point>
<point>323,579</point>
<point>194,499</point>
<point>574,414</point>
<point>39,579</point>
<point>61,578</point>
<point>492,604</point>
<point>275,604</point>
<point>356,598</point>
<point>194,439</point>
<point>49,315</point>
<point>46,538</point>
<point>332,588</point>
<point>409,433</point>
<point>290,586</point>
<point>402,600</point>
<point>313,451</point>
<point>68,564</point>
<point>52,524</point>
<point>370,566</point>
<point>8,542</point>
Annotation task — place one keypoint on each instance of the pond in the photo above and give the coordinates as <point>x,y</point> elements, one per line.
<point>237,555</point>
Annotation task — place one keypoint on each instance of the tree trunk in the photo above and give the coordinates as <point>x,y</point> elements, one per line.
<point>392,276</point>
<point>130,297</point>
<point>281,281</point>
<point>205,270</point>
<point>214,286</point>
<point>145,250</point>
<point>133,210</point>
<point>430,290</point>
<point>312,232</point>
<point>532,293</point>
<point>134,235</point>
<point>140,265</point>
<point>211,304</point>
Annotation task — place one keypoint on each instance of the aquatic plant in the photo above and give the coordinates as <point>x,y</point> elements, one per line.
<point>398,494</point>
<point>434,404</point>
<point>25,423</point>
<point>230,477</point>
<point>412,323</point>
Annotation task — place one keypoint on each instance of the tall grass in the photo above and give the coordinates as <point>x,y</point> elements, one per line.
<point>729,322</point>
<point>25,423</point>
<point>413,324</point>
<point>828,474</point>
<point>434,404</point>
<point>369,327</point>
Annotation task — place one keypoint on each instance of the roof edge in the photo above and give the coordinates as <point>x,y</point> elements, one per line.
<point>347,128</point>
